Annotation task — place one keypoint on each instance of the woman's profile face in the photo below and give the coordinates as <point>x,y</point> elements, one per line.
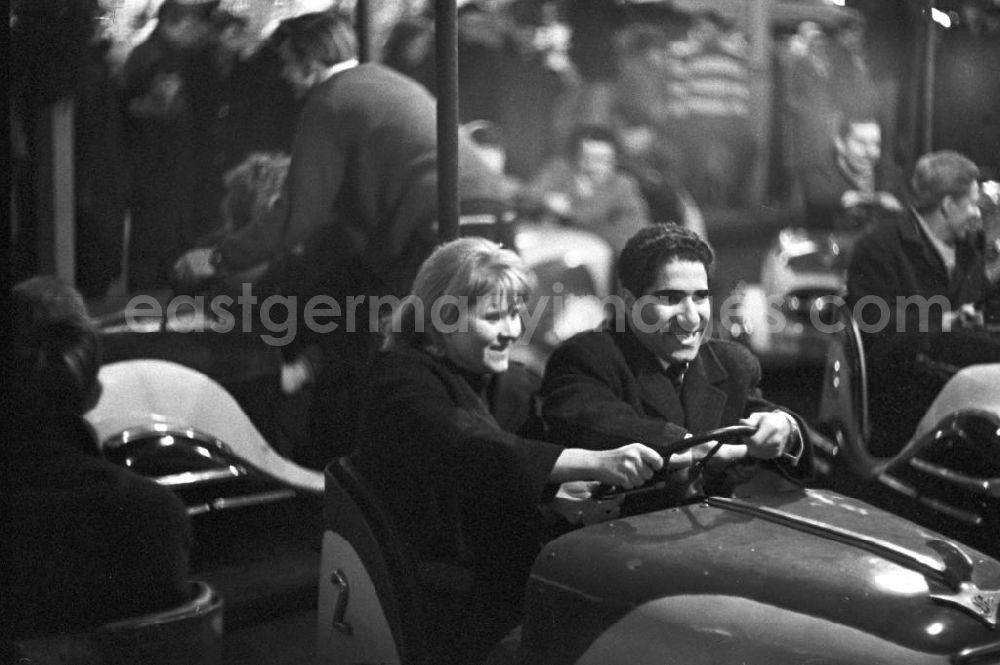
<point>481,339</point>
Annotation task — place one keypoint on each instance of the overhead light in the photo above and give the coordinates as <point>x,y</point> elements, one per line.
<point>839,3</point>
<point>940,17</point>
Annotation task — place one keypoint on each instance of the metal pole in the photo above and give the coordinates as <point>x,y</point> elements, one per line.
<point>930,56</point>
<point>446,50</point>
<point>758,30</point>
<point>362,26</point>
<point>56,234</point>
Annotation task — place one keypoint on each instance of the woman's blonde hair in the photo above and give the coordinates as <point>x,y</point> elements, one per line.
<point>252,188</point>
<point>453,277</point>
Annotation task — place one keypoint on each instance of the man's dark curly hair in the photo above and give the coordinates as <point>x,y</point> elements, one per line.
<point>653,247</point>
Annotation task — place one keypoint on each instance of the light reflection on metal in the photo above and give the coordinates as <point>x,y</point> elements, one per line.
<point>894,579</point>
<point>188,478</point>
<point>252,499</point>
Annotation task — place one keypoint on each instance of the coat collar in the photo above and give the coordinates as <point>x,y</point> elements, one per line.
<point>910,234</point>
<point>700,402</point>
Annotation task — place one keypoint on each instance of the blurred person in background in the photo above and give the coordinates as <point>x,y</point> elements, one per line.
<point>934,258</point>
<point>586,188</point>
<point>853,182</point>
<point>715,118</point>
<point>169,81</point>
<point>256,108</point>
<point>810,110</point>
<point>854,90</point>
<point>360,198</point>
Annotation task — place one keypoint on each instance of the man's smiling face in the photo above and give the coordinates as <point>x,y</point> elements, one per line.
<point>671,319</point>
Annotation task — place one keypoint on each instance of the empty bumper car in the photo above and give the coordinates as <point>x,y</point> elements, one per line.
<point>945,476</point>
<point>777,318</point>
<point>181,428</point>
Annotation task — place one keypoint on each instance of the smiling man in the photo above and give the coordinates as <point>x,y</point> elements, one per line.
<point>854,183</point>
<point>653,375</point>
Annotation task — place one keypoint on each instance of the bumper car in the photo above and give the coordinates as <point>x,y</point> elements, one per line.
<point>188,634</point>
<point>776,318</point>
<point>194,408</point>
<point>181,428</point>
<point>772,575</point>
<point>946,476</point>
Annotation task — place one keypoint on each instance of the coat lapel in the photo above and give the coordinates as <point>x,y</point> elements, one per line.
<point>914,236</point>
<point>703,401</point>
<point>656,391</point>
<point>658,394</point>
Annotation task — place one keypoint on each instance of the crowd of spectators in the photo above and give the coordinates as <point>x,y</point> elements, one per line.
<point>158,126</point>
<point>154,134</point>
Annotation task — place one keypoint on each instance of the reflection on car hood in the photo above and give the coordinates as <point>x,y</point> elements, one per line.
<point>609,569</point>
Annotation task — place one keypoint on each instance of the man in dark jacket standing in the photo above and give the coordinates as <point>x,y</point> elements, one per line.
<point>361,195</point>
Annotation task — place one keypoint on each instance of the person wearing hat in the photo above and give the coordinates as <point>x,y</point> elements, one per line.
<point>917,285</point>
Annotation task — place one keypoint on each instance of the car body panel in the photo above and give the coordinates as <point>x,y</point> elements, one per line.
<point>946,476</point>
<point>777,318</point>
<point>182,428</point>
<point>595,577</point>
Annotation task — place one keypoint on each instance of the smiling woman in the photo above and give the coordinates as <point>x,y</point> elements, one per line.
<point>450,442</point>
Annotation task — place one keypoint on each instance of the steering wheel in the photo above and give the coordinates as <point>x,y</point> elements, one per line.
<point>721,435</point>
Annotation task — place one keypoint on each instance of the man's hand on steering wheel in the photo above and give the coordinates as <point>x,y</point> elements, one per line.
<point>774,430</point>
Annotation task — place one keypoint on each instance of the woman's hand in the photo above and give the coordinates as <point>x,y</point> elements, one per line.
<point>627,467</point>
<point>573,503</point>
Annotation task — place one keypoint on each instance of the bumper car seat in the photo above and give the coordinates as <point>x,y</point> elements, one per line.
<point>375,597</point>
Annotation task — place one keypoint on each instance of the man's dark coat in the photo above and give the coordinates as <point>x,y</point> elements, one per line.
<point>603,389</point>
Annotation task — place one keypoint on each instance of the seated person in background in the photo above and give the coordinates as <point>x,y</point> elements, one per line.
<point>653,375</point>
<point>87,541</point>
<point>586,188</point>
<point>852,184</point>
<point>916,287</point>
<point>445,439</point>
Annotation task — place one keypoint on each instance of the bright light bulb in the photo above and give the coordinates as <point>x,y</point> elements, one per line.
<point>941,18</point>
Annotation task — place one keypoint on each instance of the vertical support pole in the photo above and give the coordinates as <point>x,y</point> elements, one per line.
<point>56,235</point>
<point>930,60</point>
<point>363,28</point>
<point>758,14</point>
<point>446,50</point>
